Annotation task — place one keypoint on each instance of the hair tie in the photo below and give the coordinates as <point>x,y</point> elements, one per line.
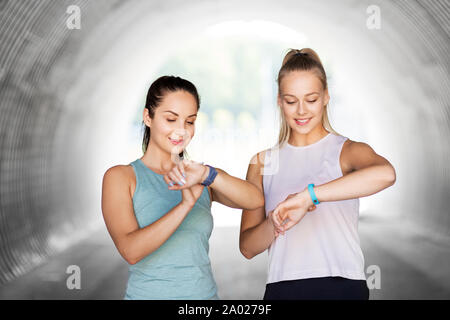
<point>300,53</point>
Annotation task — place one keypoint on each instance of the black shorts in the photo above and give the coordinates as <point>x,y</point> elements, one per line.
<point>326,288</point>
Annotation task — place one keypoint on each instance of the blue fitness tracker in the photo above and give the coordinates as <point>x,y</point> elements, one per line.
<point>211,176</point>
<point>312,194</point>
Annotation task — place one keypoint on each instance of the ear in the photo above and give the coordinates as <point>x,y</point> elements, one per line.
<point>147,119</point>
<point>279,100</point>
<point>327,97</point>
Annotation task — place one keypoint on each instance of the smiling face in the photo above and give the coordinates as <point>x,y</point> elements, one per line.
<point>173,124</point>
<point>302,99</point>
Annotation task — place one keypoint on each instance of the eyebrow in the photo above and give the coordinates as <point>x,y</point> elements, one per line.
<point>308,94</point>
<point>178,114</point>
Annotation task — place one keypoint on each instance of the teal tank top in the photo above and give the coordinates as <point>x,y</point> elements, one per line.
<point>180,268</point>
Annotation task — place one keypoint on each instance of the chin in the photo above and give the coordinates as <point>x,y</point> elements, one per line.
<point>175,149</point>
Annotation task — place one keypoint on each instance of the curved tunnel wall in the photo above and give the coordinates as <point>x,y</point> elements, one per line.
<point>59,115</point>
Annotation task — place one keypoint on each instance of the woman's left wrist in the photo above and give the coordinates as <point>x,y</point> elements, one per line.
<point>205,173</point>
<point>307,197</point>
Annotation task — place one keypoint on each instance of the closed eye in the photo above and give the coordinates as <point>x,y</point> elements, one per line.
<point>170,120</point>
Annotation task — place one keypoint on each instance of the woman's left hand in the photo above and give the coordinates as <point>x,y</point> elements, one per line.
<point>186,174</point>
<point>293,209</point>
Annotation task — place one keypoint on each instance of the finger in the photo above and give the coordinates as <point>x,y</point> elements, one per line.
<point>276,219</point>
<point>289,224</point>
<point>181,168</point>
<point>175,180</point>
<point>282,214</point>
<point>281,207</point>
<point>168,180</point>
<point>179,176</point>
<point>277,231</point>
<point>280,231</point>
<point>282,228</point>
<point>278,226</point>
<point>280,218</point>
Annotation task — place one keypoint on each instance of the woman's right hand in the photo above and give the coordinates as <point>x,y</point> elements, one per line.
<point>185,174</point>
<point>273,220</point>
<point>290,211</point>
<point>190,195</point>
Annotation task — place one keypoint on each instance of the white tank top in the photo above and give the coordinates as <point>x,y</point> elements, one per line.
<point>325,242</point>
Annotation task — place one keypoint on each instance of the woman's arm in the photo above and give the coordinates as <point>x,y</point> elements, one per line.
<point>132,242</point>
<point>226,189</point>
<point>370,173</point>
<point>257,231</point>
<point>234,192</point>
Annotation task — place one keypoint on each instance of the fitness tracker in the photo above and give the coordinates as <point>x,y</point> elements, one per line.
<point>211,176</point>
<point>312,194</point>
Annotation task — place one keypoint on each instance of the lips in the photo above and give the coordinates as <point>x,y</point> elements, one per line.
<point>176,142</point>
<point>302,122</point>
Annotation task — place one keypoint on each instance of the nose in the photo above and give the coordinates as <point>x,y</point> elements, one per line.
<point>181,132</point>
<point>301,109</point>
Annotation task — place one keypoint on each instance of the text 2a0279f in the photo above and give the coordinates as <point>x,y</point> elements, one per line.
<point>246,309</point>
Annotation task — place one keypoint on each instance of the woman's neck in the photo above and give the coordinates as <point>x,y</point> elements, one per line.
<point>298,140</point>
<point>157,159</point>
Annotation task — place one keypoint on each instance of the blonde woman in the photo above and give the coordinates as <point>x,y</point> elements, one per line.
<point>157,209</point>
<point>312,181</point>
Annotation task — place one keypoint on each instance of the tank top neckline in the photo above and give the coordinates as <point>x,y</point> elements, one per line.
<point>143,164</point>
<point>309,145</point>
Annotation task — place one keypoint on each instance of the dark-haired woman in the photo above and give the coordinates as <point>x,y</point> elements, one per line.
<point>161,231</point>
<point>316,254</point>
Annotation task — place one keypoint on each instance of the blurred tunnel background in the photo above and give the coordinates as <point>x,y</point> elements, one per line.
<point>73,80</point>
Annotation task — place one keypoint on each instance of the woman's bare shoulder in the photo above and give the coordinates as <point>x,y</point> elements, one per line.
<point>121,175</point>
<point>256,168</point>
<point>120,171</point>
<point>259,158</point>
